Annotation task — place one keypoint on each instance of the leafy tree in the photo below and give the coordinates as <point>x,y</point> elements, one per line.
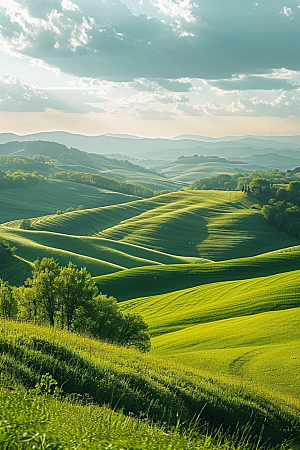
<point>8,304</point>
<point>43,281</point>
<point>27,300</point>
<point>67,297</point>
<point>75,288</point>
<point>134,331</point>
<point>294,186</point>
<point>107,318</point>
<point>25,224</point>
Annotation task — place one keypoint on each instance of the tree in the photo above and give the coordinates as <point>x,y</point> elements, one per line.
<point>25,224</point>
<point>28,303</point>
<point>134,331</point>
<point>44,276</point>
<point>75,288</point>
<point>8,304</point>
<point>107,318</point>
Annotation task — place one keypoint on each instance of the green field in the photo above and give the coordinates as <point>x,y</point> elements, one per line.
<point>219,288</point>
<point>145,281</point>
<point>141,384</point>
<point>247,328</point>
<point>51,195</point>
<point>216,225</point>
<point>99,256</point>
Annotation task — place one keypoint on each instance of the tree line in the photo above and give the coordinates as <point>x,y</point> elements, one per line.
<point>23,163</point>
<point>18,179</point>
<point>67,298</point>
<point>104,182</point>
<point>241,180</point>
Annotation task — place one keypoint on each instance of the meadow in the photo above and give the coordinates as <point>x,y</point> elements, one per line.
<point>247,328</point>
<point>140,384</point>
<point>50,196</point>
<point>219,289</point>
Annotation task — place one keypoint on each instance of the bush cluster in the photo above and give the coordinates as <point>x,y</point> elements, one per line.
<point>240,180</point>
<point>66,297</point>
<point>18,179</point>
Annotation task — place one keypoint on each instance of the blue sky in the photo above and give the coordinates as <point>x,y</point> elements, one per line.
<point>150,67</point>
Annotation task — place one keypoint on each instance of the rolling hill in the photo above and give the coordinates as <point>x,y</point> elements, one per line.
<point>99,256</point>
<point>143,384</point>
<point>247,328</point>
<point>145,281</point>
<point>51,195</point>
<point>53,157</point>
<point>215,225</point>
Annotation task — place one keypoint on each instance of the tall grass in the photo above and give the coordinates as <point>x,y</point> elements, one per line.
<point>140,384</point>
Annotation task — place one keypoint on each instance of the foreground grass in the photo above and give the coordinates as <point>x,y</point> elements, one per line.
<point>28,420</point>
<point>141,384</point>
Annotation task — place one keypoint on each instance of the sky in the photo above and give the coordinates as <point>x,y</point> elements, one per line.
<point>156,68</point>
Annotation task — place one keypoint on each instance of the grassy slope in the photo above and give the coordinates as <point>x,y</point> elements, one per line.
<point>217,225</point>
<point>263,348</point>
<point>51,195</point>
<point>72,425</point>
<point>138,383</point>
<point>217,301</point>
<point>99,256</point>
<point>247,328</point>
<point>145,281</point>
<point>191,172</point>
<point>12,268</point>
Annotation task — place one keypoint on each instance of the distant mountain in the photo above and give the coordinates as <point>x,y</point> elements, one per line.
<point>168,149</point>
<point>59,157</point>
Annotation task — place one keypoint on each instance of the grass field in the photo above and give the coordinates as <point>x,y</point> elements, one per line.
<point>216,225</point>
<point>224,315</point>
<point>140,384</point>
<point>51,195</point>
<point>99,256</point>
<point>146,281</point>
<point>73,425</point>
<point>248,328</point>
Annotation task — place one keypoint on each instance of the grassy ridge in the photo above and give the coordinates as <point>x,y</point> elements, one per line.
<point>248,328</point>
<point>263,348</point>
<point>217,301</point>
<point>146,281</point>
<point>51,195</point>
<point>216,225</point>
<point>138,383</point>
<point>99,256</point>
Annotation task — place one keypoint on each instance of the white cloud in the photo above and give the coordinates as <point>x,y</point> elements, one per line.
<point>175,8</point>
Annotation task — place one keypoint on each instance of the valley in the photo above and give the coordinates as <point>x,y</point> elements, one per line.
<point>217,285</point>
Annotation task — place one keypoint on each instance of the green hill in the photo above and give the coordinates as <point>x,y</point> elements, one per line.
<point>141,384</point>
<point>247,328</point>
<point>99,256</point>
<point>146,281</point>
<point>216,225</point>
<point>48,157</point>
<point>217,301</point>
<point>262,348</point>
<point>51,195</point>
